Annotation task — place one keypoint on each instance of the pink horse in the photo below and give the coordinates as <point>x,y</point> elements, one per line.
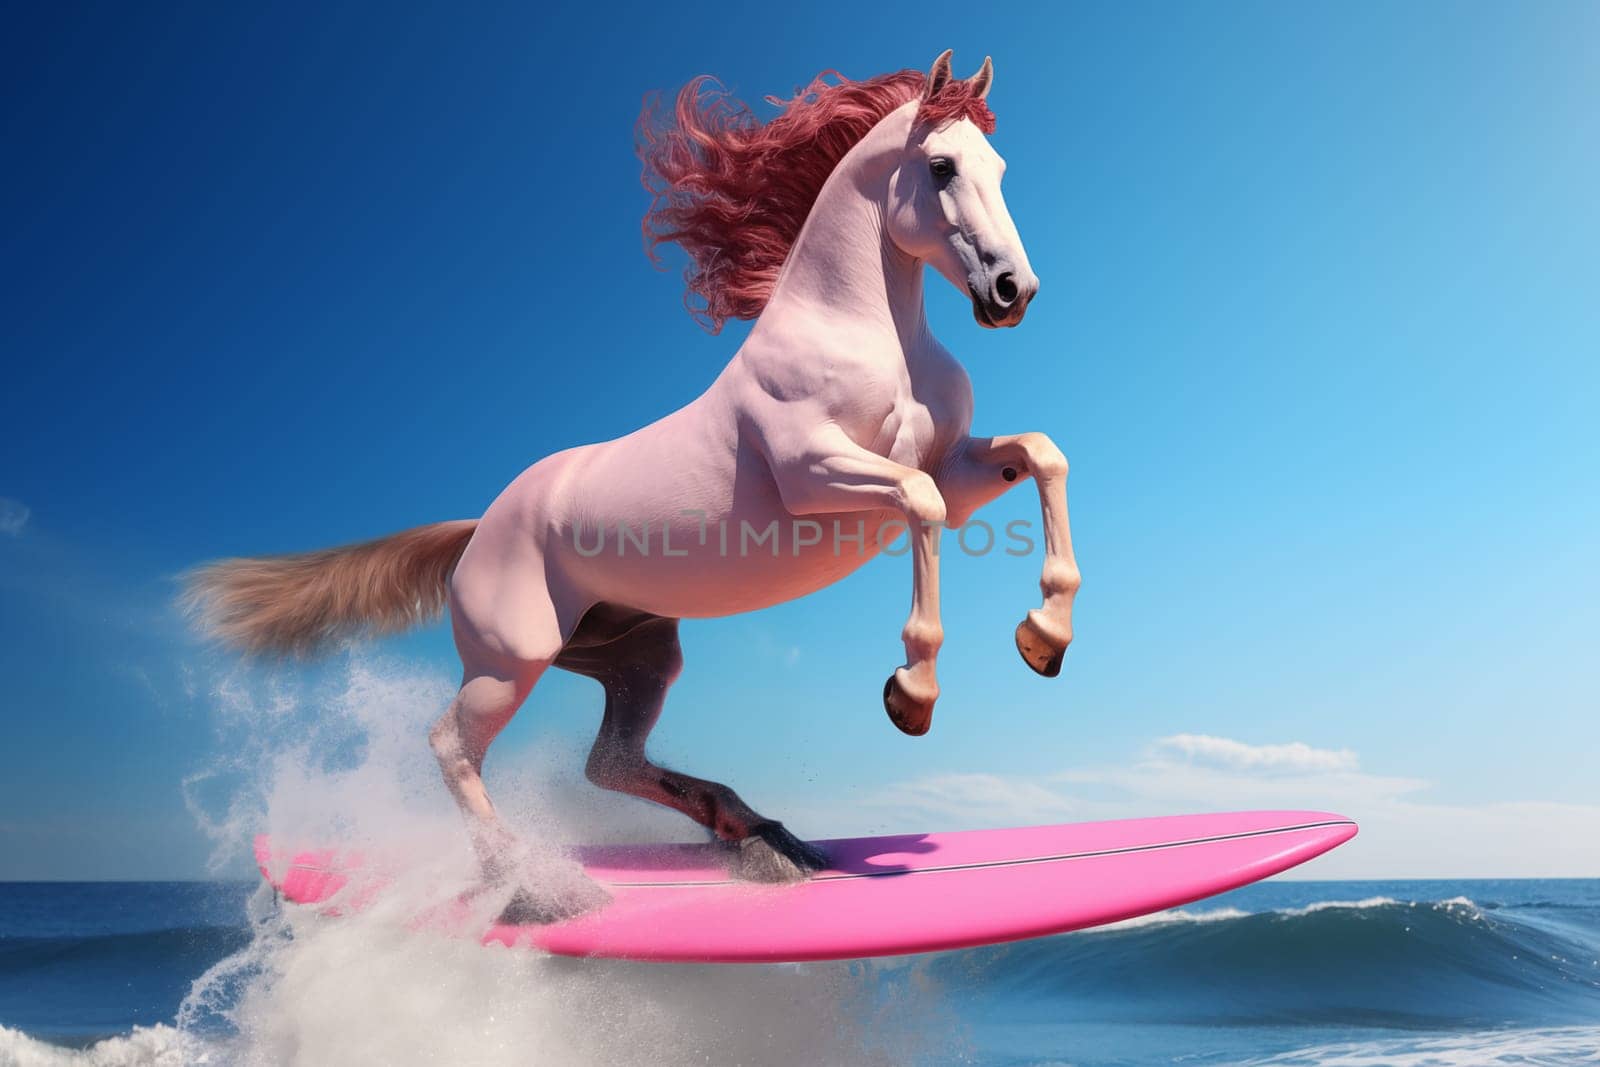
<point>840,423</point>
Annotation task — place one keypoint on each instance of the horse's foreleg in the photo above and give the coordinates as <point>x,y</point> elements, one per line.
<point>636,669</point>
<point>833,474</point>
<point>982,470</point>
<point>910,692</point>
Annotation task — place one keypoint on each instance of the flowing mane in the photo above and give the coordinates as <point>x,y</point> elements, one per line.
<point>733,191</point>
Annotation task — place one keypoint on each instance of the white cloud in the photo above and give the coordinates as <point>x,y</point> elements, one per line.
<point>1404,833</point>
<point>1296,757</point>
<point>980,799</point>
<point>14,516</point>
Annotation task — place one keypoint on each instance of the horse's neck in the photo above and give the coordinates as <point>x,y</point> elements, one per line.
<point>844,264</point>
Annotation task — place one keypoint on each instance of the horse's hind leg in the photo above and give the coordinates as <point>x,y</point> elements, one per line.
<point>636,658</point>
<point>493,687</point>
<point>490,695</point>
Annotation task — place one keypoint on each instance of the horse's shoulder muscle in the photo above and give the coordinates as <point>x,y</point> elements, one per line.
<point>822,376</point>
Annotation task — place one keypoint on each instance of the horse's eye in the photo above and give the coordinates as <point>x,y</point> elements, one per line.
<point>943,169</point>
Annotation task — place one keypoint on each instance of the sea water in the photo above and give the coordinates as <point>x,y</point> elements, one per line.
<point>1472,972</point>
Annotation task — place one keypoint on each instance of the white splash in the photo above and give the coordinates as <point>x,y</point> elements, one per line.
<point>349,765</point>
<point>146,1046</point>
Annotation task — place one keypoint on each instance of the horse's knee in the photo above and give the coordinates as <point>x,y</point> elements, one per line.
<point>1045,460</point>
<point>921,500</point>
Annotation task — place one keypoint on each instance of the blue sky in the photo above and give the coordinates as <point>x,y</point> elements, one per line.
<point>1318,331</point>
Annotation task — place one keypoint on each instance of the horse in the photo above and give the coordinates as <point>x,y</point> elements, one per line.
<point>839,411</point>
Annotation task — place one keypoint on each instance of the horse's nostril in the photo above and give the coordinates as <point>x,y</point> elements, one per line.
<point>1005,288</point>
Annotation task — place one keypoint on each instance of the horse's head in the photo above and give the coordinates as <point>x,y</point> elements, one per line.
<point>944,202</point>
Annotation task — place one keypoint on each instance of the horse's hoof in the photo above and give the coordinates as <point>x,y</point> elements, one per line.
<point>911,715</point>
<point>1042,643</point>
<point>526,908</point>
<point>772,854</point>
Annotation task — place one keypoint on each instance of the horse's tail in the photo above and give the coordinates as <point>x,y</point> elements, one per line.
<point>297,604</point>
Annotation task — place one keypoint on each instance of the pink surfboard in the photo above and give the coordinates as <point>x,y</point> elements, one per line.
<point>882,896</point>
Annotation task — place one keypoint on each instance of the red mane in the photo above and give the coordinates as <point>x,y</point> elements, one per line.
<point>733,191</point>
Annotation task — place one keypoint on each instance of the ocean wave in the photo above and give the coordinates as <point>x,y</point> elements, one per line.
<point>146,1046</point>
<point>1175,916</point>
<point>1372,961</point>
<point>1365,904</point>
<point>1181,916</point>
<point>1553,1047</point>
<point>1345,905</point>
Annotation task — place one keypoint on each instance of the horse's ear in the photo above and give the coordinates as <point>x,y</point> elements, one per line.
<point>938,75</point>
<point>982,80</point>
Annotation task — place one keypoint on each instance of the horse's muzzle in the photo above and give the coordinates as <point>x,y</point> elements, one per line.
<point>1006,300</point>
